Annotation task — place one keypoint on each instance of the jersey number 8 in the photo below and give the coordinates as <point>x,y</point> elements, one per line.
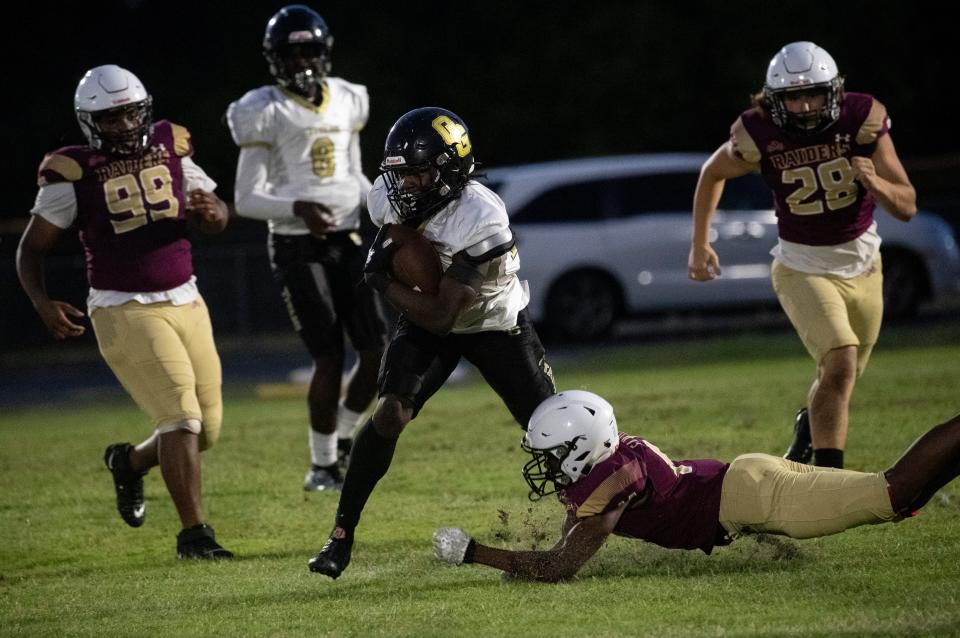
<point>321,154</point>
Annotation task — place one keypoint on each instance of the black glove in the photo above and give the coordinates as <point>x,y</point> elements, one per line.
<point>376,272</point>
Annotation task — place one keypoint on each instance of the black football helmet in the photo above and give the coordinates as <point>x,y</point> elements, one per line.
<point>426,139</point>
<point>297,30</point>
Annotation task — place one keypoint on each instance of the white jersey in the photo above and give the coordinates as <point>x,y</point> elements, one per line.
<point>468,222</point>
<point>294,150</point>
<point>847,260</point>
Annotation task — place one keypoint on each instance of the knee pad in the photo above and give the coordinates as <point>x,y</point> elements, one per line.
<point>207,438</point>
<point>190,425</point>
<point>212,419</point>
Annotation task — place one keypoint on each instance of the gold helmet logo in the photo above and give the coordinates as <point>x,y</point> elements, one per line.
<point>453,134</point>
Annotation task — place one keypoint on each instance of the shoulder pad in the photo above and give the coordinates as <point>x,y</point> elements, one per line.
<point>59,166</point>
<point>249,117</point>
<point>875,125</point>
<point>357,95</point>
<point>378,206</point>
<point>493,246</point>
<point>743,145</point>
<point>182,145</point>
<point>618,485</point>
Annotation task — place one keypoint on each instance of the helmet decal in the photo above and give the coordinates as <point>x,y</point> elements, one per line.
<point>453,134</point>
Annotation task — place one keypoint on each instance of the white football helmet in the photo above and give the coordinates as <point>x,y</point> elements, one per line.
<point>567,435</point>
<point>801,66</point>
<point>105,88</point>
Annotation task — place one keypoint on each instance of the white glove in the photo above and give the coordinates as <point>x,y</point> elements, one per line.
<point>450,544</point>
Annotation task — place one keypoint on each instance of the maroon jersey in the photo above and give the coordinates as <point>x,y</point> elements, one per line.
<point>130,211</point>
<point>818,202</point>
<point>675,505</point>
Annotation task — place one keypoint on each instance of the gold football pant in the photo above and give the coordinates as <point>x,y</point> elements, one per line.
<point>165,358</point>
<point>831,312</point>
<point>768,494</point>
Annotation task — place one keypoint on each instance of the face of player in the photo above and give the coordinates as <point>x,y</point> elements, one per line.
<point>122,128</point>
<point>418,180</point>
<point>806,105</point>
<point>304,63</point>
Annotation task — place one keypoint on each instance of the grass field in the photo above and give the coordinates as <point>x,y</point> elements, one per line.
<point>70,567</point>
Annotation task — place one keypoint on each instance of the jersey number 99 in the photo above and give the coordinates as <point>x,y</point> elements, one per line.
<point>127,198</point>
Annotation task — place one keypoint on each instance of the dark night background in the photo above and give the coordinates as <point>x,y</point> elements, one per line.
<point>533,80</point>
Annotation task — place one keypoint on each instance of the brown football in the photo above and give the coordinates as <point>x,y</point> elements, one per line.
<point>415,263</point>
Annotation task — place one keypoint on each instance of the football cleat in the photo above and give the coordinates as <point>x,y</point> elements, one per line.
<point>335,555</point>
<point>128,483</point>
<point>323,479</point>
<point>801,449</point>
<point>200,542</point>
<point>343,453</point>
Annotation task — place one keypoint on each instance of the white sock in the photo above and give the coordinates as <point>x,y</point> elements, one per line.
<point>323,448</point>
<point>347,421</point>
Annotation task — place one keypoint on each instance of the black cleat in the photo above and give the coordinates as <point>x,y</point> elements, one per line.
<point>323,479</point>
<point>801,449</point>
<point>199,542</point>
<point>335,555</point>
<point>128,483</point>
<point>343,453</point>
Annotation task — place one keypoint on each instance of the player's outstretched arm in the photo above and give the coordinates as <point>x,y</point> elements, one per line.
<point>38,239</point>
<point>562,562</point>
<point>703,264</point>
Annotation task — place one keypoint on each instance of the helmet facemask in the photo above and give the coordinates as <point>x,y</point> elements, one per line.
<point>129,141</point>
<point>544,472</point>
<point>301,67</point>
<point>809,123</point>
<point>443,182</point>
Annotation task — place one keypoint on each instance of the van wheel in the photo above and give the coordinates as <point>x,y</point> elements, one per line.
<point>583,306</point>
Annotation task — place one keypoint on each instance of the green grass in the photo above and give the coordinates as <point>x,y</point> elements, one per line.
<point>70,567</point>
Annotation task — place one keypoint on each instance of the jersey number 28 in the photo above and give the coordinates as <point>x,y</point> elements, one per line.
<point>835,178</point>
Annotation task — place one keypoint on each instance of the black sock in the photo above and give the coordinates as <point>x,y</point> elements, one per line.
<point>828,457</point>
<point>369,461</point>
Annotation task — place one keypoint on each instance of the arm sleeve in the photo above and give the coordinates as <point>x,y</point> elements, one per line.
<point>250,196</point>
<point>194,177</point>
<point>56,203</point>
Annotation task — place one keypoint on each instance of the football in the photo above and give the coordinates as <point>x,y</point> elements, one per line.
<point>415,263</point>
